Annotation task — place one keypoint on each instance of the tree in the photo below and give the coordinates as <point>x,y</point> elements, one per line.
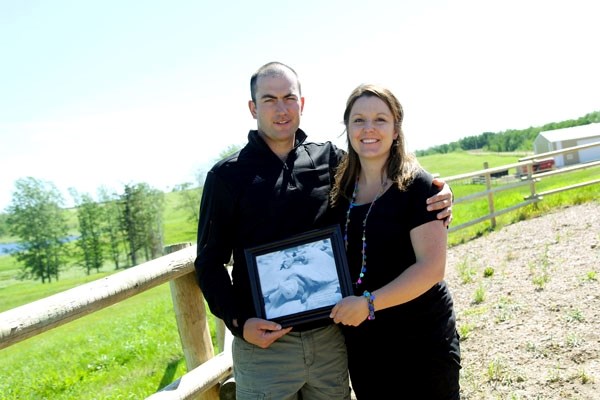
<point>189,201</point>
<point>231,149</point>
<point>155,204</point>
<point>91,219</point>
<point>141,221</point>
<point>36,218</point>
<point>112,224</point>
<point>3,224</point>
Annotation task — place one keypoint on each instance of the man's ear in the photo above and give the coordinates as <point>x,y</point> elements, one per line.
<point>252,108</point>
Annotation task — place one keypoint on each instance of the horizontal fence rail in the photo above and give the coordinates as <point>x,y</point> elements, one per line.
<point>39,316</point>
<point>208,373</point>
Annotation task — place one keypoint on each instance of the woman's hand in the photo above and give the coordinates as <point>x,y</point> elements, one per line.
<point>351,310</point>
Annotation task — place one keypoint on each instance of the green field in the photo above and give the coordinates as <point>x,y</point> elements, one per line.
<point>130,350</point>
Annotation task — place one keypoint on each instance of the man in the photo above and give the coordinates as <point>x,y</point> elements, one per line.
<point>276,186</point>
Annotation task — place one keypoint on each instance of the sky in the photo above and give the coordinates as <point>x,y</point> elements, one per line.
<point>112,93</point>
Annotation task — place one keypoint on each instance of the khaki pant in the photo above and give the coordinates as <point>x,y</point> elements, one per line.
<point>309,365</point>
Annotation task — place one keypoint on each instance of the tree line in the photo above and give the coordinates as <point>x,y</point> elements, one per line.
<point>117,227</point>
<point>123,229</point>
<point>509,140</point>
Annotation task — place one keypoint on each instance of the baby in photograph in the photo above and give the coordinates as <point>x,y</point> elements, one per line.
<point>306,279</point>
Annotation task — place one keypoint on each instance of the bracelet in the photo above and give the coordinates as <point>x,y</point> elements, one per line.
<point>370,298</point>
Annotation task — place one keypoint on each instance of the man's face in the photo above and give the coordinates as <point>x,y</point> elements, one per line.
<point>278,108</point>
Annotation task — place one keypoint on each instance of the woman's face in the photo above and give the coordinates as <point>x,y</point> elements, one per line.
<point>371,128</point>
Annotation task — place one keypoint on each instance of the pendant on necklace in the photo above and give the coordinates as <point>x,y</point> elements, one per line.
<point>363,268</point>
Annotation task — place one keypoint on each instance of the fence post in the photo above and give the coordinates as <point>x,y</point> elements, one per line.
<point>192,322</point>
<point>490,195</point>
<point>530,172</point>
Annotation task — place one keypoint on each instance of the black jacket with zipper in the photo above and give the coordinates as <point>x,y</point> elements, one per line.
<point>252,198</point>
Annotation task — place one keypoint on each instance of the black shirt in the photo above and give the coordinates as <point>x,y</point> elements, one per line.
<point>252,198</point>
<point>389,252</point>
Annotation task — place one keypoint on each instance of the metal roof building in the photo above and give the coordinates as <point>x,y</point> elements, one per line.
<point>559,139</point>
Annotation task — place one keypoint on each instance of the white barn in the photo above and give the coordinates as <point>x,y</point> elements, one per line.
<point>559,139</point>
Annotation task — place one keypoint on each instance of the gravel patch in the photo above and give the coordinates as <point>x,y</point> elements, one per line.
<point>527,299</point>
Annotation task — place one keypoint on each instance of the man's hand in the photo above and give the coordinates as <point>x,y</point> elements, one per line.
<point>263,333</point>
<point>441,201</point>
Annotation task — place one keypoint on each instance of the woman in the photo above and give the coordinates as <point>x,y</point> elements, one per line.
<point>402,309</point>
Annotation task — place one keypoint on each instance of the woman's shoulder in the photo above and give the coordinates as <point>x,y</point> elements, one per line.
<point>421,180</point>
<point>423,174</point>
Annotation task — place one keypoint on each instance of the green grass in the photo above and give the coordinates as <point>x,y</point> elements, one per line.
<point>457,163</point>
<point>9,268</point>
<point>20,292</point>
<point>131,349</point>
<point>178,226</point>
<point>127,351</point>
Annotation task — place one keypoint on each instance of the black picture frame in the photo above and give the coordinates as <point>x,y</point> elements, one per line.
<point>301,278</point>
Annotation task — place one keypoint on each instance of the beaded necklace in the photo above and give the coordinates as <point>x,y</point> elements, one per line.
<point>363,268</point>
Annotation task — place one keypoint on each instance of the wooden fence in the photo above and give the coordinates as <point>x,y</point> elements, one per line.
<point>207,372</point>
<point>487,175</point>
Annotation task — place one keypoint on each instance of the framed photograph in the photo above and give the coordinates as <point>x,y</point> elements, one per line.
<point>301,278</point>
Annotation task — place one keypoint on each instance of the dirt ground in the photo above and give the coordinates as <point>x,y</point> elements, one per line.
<point>527,299</point>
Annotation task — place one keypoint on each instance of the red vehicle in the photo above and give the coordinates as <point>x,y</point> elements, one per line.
<point>542,165</point>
